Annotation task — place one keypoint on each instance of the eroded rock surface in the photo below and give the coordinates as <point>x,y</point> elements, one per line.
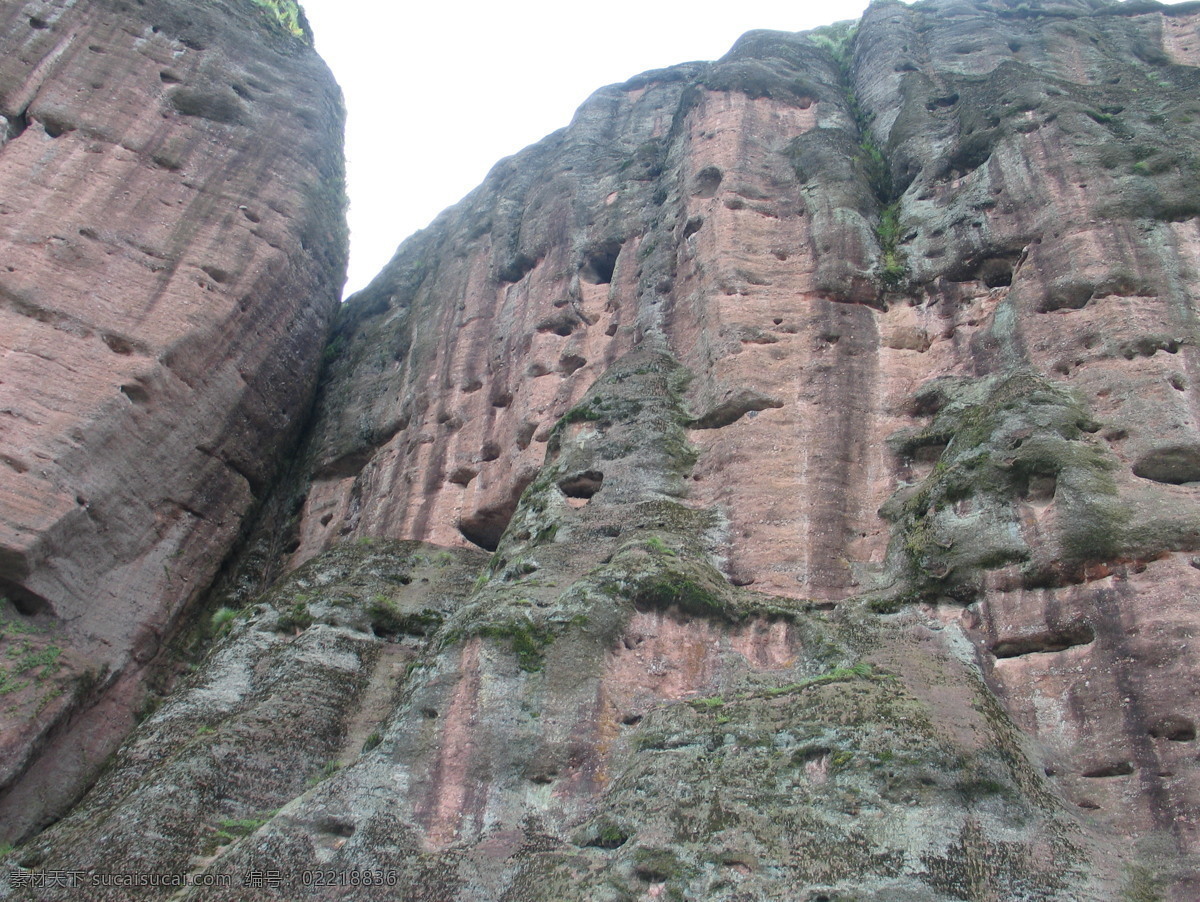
<point>829,414</point>
<point>171,254</point>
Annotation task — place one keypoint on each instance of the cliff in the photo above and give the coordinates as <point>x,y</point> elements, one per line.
<point>171,255</point>
<point>779,484</point>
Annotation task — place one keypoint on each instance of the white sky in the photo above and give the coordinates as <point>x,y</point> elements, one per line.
<point>438,92</point>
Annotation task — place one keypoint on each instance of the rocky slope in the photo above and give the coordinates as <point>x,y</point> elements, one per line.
<point>829,414</point>
<point>171,254</point>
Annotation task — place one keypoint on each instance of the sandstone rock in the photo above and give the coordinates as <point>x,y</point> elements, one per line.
<point>601,714</point>
<point>171,252</point>
<point>828,411</point>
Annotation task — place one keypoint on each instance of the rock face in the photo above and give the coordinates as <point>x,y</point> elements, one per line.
<point>829,414</point>
<point>171,253</point>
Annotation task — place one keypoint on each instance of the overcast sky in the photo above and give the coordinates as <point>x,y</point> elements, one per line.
<point>438,92</point>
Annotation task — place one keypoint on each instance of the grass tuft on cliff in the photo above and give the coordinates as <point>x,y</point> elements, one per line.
<point>288,15</point>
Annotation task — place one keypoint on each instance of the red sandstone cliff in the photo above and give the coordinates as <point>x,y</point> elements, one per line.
<point>829,414</point>
<point>171,253</point>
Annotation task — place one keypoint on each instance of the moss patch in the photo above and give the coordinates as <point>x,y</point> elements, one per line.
<point>997,440</point>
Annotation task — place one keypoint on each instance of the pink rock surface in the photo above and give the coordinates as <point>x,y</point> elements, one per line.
<point>168,176</point>
<point>1039,249</point>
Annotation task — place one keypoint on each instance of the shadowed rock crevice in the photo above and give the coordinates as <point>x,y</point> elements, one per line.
<point>26,603</point>
<point>485,526</point>
<point>600,262</point>
<point>581,485</point>
<point>1052,640</point>
<point>1173,465</point>
<point>731,409</point>
<point>1175,728</point>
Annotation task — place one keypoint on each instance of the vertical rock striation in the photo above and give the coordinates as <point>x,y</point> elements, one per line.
<point>828,412</point>
<point>171,253</point>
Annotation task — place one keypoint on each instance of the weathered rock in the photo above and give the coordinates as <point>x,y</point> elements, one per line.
<point>171,252</point>
<point>829,412</point>
<point>330,643</point>
<point>604,717</point>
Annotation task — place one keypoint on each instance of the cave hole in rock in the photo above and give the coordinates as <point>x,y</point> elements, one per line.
<point>216,106</point>
<point>169,78</point>
<point>15,128</point>
<point>216,274</point>
<point>569,363</point>
<point>502,398</point>
<point>1114,769</point>
<point>486,525</point>
<point>346,466</point>
<point>581,485</point>
<point>55,127</point>
<point>562,323</point>
<point>462,476</point>
<point>116,344</point>
<point>1039,489</point>
<point>708,180</point>
<point>335,826</point>
<point>1145,346</point>
<point>600,263</point>
<point>525,434</point>
<point>27,603</point>
<point>327,519</point>
<point>135,393</point>
<point>516,269</point>
<point>490,451</point>
<point>608,836</point>
<point>450,420</point>
<point>1173,465</point>
<point>733,408</point>
<point>995,270</point>
<point>692,227</point>
<point>16,464</point>
<point>1051,640</point>
<point>38,24</point>
<point>1174,727</point>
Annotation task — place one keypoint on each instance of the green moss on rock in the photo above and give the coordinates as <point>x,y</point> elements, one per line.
<point>998,441</point>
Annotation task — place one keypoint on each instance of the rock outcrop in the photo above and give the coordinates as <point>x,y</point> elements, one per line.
<point>171,253</point>
<point>828,413</point>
